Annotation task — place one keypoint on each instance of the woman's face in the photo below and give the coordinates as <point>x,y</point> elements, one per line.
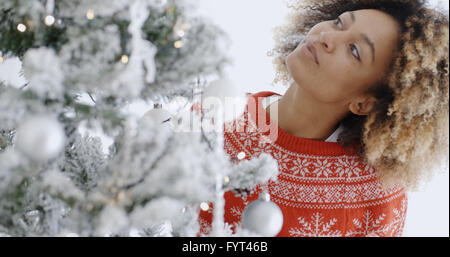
<point>353,53</point>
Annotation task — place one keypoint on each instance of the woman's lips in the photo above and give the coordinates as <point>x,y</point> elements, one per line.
<point>310,51</point>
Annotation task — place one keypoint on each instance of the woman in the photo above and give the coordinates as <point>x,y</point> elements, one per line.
<point>365,118</point>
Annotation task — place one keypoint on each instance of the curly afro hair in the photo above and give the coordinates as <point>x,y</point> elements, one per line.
<point>405,138</point>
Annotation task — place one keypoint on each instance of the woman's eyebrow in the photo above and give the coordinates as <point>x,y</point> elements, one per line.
<point>364,36</point>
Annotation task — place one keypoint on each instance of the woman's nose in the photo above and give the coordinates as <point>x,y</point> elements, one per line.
<point>327,40</point>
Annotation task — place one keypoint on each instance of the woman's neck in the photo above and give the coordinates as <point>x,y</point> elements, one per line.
<point>299,114</point>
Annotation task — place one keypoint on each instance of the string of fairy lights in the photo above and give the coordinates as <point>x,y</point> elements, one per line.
<point>50,20</point>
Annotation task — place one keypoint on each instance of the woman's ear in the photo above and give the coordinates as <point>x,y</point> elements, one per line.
<point>363,105</point>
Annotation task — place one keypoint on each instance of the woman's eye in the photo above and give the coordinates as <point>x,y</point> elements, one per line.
<point>338,22</point>
<point>353,48</point>
<point>355,51</point>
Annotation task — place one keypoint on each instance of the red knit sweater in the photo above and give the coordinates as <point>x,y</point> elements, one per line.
<point>322,188</point>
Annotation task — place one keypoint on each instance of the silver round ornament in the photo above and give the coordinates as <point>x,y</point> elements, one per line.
<point>263,217</point>
<point>40,138</point>
<point>224,93</point>
<point>158,115</point>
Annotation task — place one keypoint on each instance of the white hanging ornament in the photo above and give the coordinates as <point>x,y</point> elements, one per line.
<point>224,93</point>
<point>263,216</point>
<point>158,115</point>
<point>40,138</point>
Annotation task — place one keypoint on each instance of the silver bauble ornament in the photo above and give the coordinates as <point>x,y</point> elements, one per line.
<point>263,217</point>
<point>158,115</point>
<point>225,94</point>
<point>40,138</point>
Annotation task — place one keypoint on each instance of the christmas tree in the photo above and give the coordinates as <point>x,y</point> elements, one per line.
<point>85,61</point>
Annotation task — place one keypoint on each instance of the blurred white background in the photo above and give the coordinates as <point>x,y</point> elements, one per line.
<point>249,24</point>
